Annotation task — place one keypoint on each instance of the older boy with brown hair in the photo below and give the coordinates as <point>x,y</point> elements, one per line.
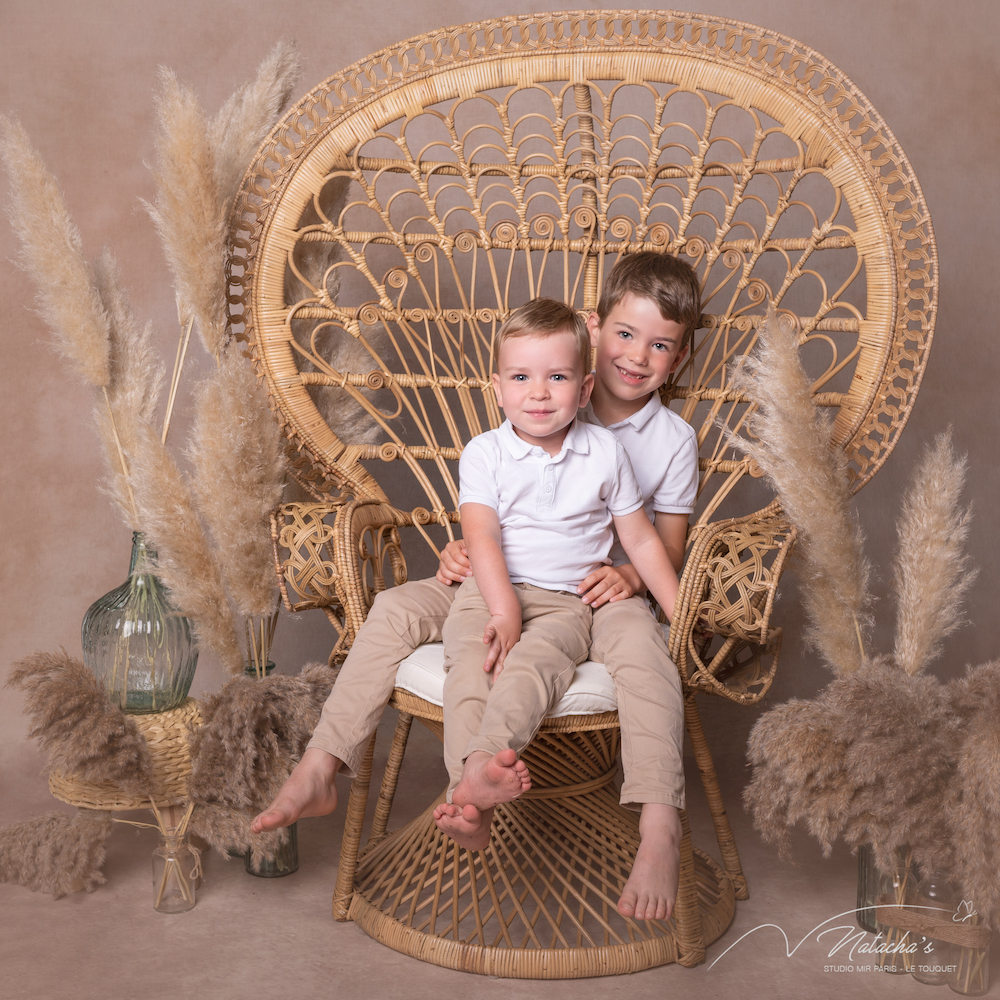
<point>649,308</point>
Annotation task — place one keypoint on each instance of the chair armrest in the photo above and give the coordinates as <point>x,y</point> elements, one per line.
<point>332,556</point>
<point>728,588</point>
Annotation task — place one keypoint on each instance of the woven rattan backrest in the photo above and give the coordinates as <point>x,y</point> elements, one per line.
<point>408,203</point>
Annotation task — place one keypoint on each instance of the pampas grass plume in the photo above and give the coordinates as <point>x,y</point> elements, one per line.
<point>931,574</point>
<point>242,123</point>
<point>56,853</point>
<point>187,213</point>
<point>239,475</point>
<point>77,726</point>
<point>52,253</point>
<point>791,443</point>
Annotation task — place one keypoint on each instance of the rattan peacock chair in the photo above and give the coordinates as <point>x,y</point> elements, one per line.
<point>387,227</point>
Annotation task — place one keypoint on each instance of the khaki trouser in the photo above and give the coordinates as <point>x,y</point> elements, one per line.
<point>628,640</point>
<point>400,619</point>
<point>482,715</point>
<point>624,635</point>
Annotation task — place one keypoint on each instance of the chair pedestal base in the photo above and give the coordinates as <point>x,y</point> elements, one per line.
<point>540,901</point>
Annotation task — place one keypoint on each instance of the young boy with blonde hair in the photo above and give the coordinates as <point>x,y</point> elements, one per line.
<point>645,317</point>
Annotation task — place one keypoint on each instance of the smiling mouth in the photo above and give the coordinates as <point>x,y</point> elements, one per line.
<point>630,376</point>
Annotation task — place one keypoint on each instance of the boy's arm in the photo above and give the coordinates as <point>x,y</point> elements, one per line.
<point>672,529</point>
<point>481,531</point>
<point>649,557</point>
<point>618,583</point>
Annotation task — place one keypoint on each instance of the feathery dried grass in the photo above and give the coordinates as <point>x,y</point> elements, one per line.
<point>931,574</point>
<point>225,829</point>
<point>52,253</point>
<point>56,853</point>
<point>793,448</point>
<point>187,213</point>
<point>253,733</point>
<point>185,561</point>
<point>135,384</point>
<point>975,805</point>
<point>873,758</point>
<point>239,475</point>
<point>77,726</point>
<point>243,122</point>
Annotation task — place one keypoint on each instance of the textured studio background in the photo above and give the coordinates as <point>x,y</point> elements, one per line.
<point>81,78</point>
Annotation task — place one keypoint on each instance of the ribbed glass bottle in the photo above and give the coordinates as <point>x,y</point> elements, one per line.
<point>138,646</point>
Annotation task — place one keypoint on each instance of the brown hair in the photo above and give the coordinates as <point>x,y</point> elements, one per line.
<point>669,281</point>
<point>542,318</point>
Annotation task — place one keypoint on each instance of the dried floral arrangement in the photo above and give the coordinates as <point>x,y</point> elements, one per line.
<point>211,526</point>
<point>211,529</point>
<point>253,734</point>
<point>886,753</point>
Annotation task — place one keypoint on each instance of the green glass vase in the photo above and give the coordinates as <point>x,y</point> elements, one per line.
<point>137,644</point>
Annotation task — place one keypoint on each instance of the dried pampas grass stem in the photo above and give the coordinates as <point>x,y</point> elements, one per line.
<point>932,573</point>
<point>52,253</point>
<point>791,443</point>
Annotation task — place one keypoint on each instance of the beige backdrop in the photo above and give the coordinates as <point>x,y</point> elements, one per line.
<point>81,77</point>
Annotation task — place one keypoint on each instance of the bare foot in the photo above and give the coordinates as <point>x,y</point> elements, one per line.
<point>487,780</point>
<point>468,826</point>
<point>309,791</point>
<point>651,889</point>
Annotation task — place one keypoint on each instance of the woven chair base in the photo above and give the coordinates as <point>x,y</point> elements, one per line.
<point>540,901</point>
<point>167,734</point>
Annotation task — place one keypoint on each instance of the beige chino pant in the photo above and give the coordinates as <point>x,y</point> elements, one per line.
<point>625,637</point>
<point>400,619</point>
<point>482,715</point>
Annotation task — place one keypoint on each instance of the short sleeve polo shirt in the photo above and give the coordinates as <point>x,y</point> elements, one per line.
<point>554,511</point>
<point>663,450</point>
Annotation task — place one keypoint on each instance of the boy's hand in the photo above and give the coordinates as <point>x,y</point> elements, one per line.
<point>610,583</point>
<point>454,566</point>
<point>501,633</point>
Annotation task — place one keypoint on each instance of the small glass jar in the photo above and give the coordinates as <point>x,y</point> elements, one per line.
<point>971,976</point>
<point>934,959</point>
<point>896,891</point>
<point>285,861</point>
<point>176,873</point>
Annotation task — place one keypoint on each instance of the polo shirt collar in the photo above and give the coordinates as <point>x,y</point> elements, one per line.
<point>576,440</point>
<point>638,420</point>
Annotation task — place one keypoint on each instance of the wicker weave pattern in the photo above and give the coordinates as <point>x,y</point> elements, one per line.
<point>167,734</point>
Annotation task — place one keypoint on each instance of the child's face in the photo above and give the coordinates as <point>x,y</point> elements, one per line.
<point>540,385</point>
<point>637,348</point>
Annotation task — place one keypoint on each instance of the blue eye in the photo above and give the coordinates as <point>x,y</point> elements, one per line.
<point>519,378</point>
<point>624,334</point>
<point>560,378</point>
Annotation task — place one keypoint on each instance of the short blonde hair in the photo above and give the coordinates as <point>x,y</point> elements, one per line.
<point>542,318</point>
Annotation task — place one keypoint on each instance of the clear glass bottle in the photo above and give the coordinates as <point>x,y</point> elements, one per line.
<point>867,889</point>
<point>285,861</point>
<point>934,959</point>
<point>896,890</point>
<point>136,642</point>
<point>971,976</point>
<point>176,872</point>
<point>286,858</point>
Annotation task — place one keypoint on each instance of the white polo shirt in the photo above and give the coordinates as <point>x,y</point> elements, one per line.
<point>555,511</point>
<point>663,450</point>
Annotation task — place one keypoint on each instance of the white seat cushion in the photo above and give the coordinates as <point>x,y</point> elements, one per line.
<point>591,693</point>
